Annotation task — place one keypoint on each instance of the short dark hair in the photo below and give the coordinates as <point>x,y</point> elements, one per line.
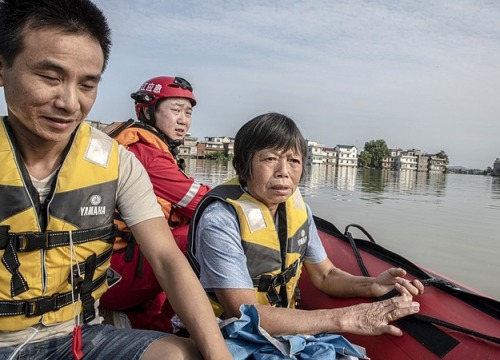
<point>72,16</point>
<point>266,131</point>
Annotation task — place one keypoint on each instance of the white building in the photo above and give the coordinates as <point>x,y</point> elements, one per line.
<point>315,153</point>
<point>406,160</point>
<point>347,155</point>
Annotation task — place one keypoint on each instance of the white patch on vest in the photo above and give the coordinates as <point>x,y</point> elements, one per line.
<point>92,210</point>
<point>254,215</point>
<point>99,149</point>
<point>298,202</point>
<point>303,238</point>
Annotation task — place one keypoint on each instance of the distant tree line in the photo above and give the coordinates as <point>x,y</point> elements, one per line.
<point>488,171</point>
<point>375,151</point>
<point>219,156</point>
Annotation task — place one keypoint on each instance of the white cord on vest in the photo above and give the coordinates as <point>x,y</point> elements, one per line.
<point>72,255</point>
<point>20,347</point>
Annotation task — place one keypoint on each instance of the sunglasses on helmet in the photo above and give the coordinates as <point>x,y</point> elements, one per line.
<point>183,83</point>
<point>140,97</point>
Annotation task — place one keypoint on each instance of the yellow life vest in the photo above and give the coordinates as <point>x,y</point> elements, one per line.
<point>283,248</point>
<point>45,249</point>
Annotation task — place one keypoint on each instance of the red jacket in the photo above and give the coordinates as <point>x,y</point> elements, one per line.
<point>177,193</point>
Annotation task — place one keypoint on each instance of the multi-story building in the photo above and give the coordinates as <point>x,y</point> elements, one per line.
<point>188,149</point>
<point>215,144</point>
<point>330,156</point>
<point>422,161</point>
<point>496,167</point>
<point>347,155</point>
<point>406,160</point>
<point>436,164</point>
<point>388,162</point>
<point>315,154</point>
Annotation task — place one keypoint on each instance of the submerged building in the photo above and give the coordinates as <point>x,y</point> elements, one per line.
<point>496,167</point>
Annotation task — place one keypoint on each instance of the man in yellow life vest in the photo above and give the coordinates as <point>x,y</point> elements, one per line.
<point>60,183</point>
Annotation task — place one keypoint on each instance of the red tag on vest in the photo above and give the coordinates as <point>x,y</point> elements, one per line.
<point>77,343</point>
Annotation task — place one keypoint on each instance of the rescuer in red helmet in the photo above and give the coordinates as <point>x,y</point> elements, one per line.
<point>164,106</point>
<point>170,125</point>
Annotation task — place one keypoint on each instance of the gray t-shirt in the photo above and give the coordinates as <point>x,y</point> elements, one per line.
<point>220,254</point>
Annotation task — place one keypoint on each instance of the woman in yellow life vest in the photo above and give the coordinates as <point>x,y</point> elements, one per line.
<point>251,236</point>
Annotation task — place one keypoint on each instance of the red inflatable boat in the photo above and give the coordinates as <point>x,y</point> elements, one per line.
<point>454,322</point>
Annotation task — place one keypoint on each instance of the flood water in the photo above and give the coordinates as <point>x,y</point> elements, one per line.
<point>447,223</point>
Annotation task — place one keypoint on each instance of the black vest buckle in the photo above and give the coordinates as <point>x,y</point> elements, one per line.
<point>40,306</point>
<point>32,241</point>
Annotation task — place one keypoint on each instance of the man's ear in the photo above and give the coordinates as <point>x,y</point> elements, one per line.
<point>145,110</point>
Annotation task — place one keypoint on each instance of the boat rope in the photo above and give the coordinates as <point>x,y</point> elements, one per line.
<point>426,282</point>
<point>359,259</point>
<point>362,229</point>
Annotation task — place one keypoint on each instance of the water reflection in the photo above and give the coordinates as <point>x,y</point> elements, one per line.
<point>346,178</point>
<point>321,179</point>
<point>375,186</point>
<point>209,172</point>
<point>495,191</point>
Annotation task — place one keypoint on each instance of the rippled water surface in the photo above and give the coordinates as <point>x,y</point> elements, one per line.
<point>447,223</point>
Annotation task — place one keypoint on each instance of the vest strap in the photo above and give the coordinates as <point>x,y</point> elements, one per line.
<point>130,251</point>
<point>268,283</point>
<point>41,305</point>
<point>81,268</point>
<point>87,288</point>
<point>31,241</point>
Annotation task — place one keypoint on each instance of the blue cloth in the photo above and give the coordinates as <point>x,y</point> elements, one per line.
<point>247,340</point>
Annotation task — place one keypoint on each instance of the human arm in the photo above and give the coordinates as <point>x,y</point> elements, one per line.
<point>181,285</point>
<point>139,208</point>
<point>362,319</point>
<point>335,282</point>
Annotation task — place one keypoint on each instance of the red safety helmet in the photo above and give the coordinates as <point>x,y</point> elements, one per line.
<point>158,88</point>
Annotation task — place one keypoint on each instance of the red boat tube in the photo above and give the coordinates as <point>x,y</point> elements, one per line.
<point>454,322</point>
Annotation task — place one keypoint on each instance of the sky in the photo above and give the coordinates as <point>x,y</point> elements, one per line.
<point>418,74</point>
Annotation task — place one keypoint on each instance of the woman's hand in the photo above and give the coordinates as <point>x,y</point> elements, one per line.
<point>394,279</point>
<point>375,318</point>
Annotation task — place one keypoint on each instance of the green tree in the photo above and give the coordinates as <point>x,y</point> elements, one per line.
<point>218,156</point>
<point>364,159</point>
<point>378,150</point>
<point>444,156</point>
